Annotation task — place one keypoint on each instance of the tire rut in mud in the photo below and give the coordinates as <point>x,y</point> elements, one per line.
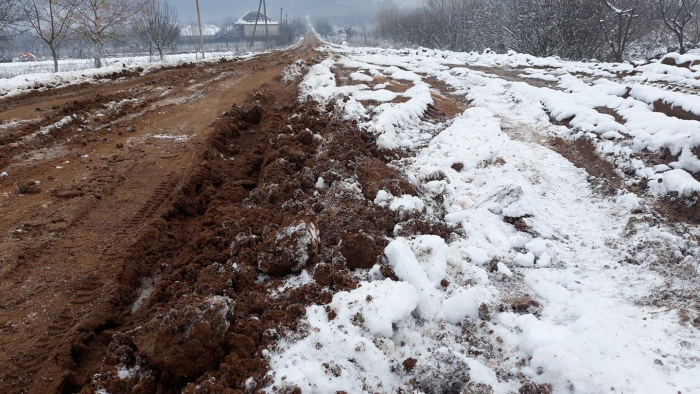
<point>81,119</point>
<point>279,189</point>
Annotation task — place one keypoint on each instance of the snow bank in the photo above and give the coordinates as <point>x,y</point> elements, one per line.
<point>649,94</point>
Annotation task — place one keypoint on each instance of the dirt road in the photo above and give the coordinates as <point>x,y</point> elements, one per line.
<point>91,171</point>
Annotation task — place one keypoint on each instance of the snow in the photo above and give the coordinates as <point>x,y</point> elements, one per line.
<point>125,373</point>
<point>175,138</point>
<point>597,324</point>
<point>388,118</point>
<point>405,203</point>
<point>356,76</point>
<point>476,255</point>
<point>321,184</point>
<point>351,353</point>
<point>294,71</point>
<point>541,76</point>
<point>524,260</point>
<point>674,180</point>
<point>650,94</point>
<point>682,59</point>
<point>502,268</point>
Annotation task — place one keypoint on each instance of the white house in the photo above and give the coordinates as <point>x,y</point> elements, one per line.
<point>244,27</point>
<point>193,31</point>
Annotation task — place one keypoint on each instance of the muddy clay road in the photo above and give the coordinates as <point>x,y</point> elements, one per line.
<point>133,211</point>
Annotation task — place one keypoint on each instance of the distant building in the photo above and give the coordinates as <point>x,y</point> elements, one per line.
<point>244,27</point>
<point>193,31</point>
<point>26,57</point>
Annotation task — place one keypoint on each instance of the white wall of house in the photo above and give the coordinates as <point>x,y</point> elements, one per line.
<point>273,30</point>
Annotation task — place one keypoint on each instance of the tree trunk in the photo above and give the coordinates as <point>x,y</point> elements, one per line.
<point>97,55</point>
<point>54,54</point>
<point>160,53</point>
<point>681,42</point>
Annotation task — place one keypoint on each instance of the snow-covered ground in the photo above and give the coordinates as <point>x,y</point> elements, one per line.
<point>545,283</point>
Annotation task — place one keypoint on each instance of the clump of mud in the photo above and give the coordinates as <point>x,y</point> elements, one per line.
<point>28,187</point>
<point>294,71</point>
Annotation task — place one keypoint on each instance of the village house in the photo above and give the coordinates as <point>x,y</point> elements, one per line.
<point>245,26</point>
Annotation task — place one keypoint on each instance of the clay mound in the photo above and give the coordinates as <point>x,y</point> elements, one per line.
<point>187,339</point>
<point>375,176</point>
<point>360,250</point>
<point>675,60</point>
<point>674,110</point>
<point>290,248</point>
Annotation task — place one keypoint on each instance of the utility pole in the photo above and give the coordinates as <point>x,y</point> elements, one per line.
<point>267,34</point>
<point>255,28</point>
<point>199,20</point>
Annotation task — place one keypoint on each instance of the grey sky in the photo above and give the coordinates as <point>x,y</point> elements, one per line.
<point>215,11</point>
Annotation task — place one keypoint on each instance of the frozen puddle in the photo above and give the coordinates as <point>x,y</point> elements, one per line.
<point>174,138</point>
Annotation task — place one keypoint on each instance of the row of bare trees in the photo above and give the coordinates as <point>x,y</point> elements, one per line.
<point>574,29</point>
<point>100,22</point>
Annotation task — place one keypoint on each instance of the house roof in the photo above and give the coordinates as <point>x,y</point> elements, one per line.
<point>250,17</point>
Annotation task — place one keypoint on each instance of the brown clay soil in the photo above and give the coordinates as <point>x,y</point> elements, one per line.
<point>126,192</point>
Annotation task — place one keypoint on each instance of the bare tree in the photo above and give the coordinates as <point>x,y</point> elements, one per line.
<point>694,34</point>
<point>50,20</point>
<point>677,14</point>
<point>444,24</point>
<point>451,22</point>
<point>156,26</point>
<point>291,30</point>
<point>567,28</point>
<point>8,19</point>
<point>229,28</point>
<point>323,27</point>
<point>616,19</point>
<point>103,22</point>
<point>350,33</point>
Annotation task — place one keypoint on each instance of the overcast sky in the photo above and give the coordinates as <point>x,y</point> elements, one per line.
<point>215,11</point>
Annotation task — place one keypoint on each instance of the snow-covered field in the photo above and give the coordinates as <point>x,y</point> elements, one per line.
<point>16,78</point>
<point>9,70</point>
<point>546,282</point>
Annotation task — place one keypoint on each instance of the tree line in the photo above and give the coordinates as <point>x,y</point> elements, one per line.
<point>154,23</point>
<point>572,29</point>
